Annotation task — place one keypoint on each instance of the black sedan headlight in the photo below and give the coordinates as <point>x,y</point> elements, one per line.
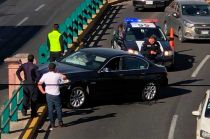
<point>204,134</point>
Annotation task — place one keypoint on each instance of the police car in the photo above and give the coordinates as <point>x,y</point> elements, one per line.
<point>139,30</point>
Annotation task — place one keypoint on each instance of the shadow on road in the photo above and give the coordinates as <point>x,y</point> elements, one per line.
<point>185,83</point>
<point>150,10</point>
<point>174,89</point>
<point>77,122</point>
<point>12,38</point>
<point>93,38</point>
<point>197,42</point>
<point>89,119</point>
<point>172,92</point>
<point>183,62</point>
<point>78,112</point>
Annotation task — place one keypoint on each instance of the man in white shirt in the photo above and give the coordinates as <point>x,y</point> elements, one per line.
<point>52,80</point>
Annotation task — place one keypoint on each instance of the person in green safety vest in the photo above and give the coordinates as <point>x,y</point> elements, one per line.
<point>55,44</point>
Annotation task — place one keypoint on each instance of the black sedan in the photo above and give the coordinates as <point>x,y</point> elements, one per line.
<point>97,71</point>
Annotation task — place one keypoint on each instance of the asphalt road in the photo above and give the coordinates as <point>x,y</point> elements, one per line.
<point>113,117</point>
<point>24,25</point>
<point>125,117</point>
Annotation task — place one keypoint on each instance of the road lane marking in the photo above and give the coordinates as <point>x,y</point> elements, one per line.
<point>172,127</point>
<point>40,7</point>
<point>52,16</point>
<point>22,21</point>
<point>194,74</point>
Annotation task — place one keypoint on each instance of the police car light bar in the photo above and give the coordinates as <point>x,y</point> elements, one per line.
<point>132,20</point>
<point>150,20</point>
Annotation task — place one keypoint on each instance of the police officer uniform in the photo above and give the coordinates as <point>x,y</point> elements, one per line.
<point>55,44</point>
<point>147,47</point>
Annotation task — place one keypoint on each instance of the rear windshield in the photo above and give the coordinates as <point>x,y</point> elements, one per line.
<point>207,113</point>
<point>196,10</point>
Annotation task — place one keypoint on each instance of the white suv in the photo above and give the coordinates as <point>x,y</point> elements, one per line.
<point>203,118</point>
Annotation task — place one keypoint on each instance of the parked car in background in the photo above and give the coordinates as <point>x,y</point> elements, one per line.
<point>203,118</point>
<point>189,19</point>
<point>98,71</point>
<point>141,4</point>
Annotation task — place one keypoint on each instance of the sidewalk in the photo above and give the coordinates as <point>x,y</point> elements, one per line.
<point>25,127</point>
<point>17,128</point>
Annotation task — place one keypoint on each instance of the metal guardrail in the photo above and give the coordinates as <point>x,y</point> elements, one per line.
<point>10,111</point>
<point>72,27</point>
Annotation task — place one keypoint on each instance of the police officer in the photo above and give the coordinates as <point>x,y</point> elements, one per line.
<point>30,93</point>
<point>55,44</point>
<point>151,48</point>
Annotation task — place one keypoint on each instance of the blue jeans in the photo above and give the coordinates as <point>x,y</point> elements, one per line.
<point>51,102</point>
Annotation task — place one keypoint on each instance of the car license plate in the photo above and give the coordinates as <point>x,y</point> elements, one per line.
<point>149,2</point>
<point>204,32</point>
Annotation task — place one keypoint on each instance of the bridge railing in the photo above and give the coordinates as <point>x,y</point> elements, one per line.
<point>73,26</point>
<point>10,110</point>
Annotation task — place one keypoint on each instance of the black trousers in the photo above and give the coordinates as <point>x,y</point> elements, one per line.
<point>30,94</point>
<point>55,56</point>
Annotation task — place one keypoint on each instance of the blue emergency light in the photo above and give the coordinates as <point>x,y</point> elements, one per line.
<point>132,20</point>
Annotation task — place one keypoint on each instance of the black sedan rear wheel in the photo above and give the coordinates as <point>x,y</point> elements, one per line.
<point>77,97</point>
<point>149,91</point>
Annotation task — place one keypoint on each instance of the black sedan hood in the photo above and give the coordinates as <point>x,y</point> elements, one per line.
<point>62,68</point>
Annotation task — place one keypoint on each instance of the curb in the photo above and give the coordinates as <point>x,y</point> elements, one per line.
<point>34,123</point>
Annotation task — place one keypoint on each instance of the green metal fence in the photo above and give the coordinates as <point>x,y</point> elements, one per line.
<point>10,111</point>
<point>73,26</point>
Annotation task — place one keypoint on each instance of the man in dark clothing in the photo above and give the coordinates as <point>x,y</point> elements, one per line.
<point>55,44</point>
<point>151,48</point>
<point>30,93</point>
<point>118,37</point>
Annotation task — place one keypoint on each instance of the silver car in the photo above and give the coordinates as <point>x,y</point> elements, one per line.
<point>190,19</point>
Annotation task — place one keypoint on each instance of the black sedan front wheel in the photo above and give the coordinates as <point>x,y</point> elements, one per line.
<point>77,98</point>
<point>149,91</point>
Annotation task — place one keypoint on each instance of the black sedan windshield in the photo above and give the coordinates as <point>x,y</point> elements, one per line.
<point>84,60</point>
<point>135,34</point>
<point>196,10</point>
